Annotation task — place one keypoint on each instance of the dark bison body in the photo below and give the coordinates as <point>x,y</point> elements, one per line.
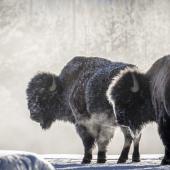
<point>159,76</point>
<point>78,95</point>
<point>151,102</point>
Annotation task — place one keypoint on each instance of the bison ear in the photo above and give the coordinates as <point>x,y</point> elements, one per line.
<point>135,87</point>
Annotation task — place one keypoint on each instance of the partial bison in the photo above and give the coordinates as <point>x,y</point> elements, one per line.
<point>78,95</point>
<point>159,76</point>
<point>150,102</point>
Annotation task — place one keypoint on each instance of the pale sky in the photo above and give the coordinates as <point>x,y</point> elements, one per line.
<point>43,35</point>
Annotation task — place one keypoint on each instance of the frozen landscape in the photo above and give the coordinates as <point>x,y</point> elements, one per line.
<point>74,162</point>
<point>43,35</point>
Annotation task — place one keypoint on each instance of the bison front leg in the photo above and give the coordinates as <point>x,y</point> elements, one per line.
<point>88,142</point>
<point>164,131</point>
<point>127,143</point>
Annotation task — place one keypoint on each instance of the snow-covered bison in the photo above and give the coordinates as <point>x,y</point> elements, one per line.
<point>150,102</point>
<point>82,94</point>
<point>23,161</point>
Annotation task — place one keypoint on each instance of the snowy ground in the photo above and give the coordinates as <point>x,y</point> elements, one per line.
<point>64,162</point>
<point>74,162</point>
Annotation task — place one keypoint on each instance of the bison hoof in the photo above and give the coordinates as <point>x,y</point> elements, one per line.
<point>86,161</point>
<point>101,161</point>
<point>165,161</point>
<point>136,160</point>
<point>121,160</point>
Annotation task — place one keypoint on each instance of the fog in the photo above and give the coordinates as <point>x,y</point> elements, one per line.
<point>43,35</point>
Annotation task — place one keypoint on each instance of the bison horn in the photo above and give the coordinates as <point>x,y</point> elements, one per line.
<point>53,86</point>
<point>135,87</point>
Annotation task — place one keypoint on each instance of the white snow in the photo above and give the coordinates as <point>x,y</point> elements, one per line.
<point>23,161</point>
<point>73,161</point>
<point>65,161</point>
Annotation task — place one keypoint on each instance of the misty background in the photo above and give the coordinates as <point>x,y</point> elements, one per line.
<point>43,35</point>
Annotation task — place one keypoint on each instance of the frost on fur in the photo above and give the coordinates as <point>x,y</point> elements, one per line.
<point>78,95</point>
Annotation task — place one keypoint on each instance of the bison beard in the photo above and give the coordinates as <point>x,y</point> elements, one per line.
<point>78,95</point>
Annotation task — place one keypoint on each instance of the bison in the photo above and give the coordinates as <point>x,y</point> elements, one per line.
<point>150,101</point>
<point>159,76</point>
<point>82,95</point>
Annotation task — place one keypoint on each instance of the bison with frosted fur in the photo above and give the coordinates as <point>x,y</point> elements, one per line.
<point>81,95</point>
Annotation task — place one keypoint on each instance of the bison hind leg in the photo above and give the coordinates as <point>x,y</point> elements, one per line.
<point>136,154</point>
<point>104,136</point>
<point>127,143</point>
<point>163,128</point>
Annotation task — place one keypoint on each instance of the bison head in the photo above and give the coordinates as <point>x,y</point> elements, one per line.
<point>43,94</point>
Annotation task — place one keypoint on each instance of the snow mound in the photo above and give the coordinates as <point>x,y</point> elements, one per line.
<point>23,161</point>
